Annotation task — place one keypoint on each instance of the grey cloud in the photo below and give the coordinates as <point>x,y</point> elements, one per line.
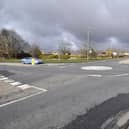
<point>45,21</point>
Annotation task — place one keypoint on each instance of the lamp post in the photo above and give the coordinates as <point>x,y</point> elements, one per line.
<point>88,44</point>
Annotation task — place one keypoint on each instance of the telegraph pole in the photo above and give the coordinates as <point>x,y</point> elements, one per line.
<point>88,44</point>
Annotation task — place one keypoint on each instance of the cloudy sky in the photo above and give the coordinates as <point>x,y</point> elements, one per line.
<point>49,22</point>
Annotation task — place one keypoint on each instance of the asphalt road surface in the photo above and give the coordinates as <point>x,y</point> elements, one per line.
<point>75,98</point>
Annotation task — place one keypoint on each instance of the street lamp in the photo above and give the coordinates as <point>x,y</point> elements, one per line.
<point>88,44</point>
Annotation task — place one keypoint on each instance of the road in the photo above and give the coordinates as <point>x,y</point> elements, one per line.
<point>71,91</point>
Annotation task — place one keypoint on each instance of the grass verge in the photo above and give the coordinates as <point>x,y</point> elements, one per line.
<point>79,60</point>
<point>9,60</point>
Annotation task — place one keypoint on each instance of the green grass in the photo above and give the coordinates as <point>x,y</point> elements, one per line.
<point>78,60</point>
<point>9,60</point>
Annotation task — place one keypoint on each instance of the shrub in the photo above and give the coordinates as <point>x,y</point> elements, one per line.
<point>64,56</point>
<point>49,56</point>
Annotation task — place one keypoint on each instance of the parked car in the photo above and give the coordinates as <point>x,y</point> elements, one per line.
<point>28,60</point>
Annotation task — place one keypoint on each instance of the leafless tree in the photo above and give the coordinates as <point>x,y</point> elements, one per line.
<point>64,48</point>
<point>35,50</point>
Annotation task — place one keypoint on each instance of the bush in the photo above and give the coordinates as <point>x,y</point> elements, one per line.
<point>52,57</point>
<point>49,56</point>
<point>64,56</point>
<point>23,55</point>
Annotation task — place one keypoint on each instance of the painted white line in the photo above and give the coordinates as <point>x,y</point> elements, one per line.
<point>21,99</point>
<point>55,64</point>
<point>123,120</point>
<point>106,123</point>
<point>62,67</point>
<point>9,81</point>
<point>15,83</point>
<point>124,61</point>
<point>24,87</point>
<point>2,79</point>
<point>95,75</point>
<point>96,68</point>
<point>2,76</point>
<point>38,88</point>
<point>121,75</point>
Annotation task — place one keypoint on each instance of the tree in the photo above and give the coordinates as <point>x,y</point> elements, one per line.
<point>11,43</point>
<point>87,51</point>
<point>64,48</point>
<point>84,50</point>
<point>35,51</point>
<point>92,53</point>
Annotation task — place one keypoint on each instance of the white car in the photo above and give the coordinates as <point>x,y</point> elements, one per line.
<point>28,60</point>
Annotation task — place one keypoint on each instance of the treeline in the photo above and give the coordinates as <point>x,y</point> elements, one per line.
<point>12,45</point>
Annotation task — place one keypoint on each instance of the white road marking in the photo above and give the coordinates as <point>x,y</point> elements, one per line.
<point>95,75</point>
<point>124,61</point>
<point>38,88</point>
<point>121,75</point>
<point>24,87</point>
<point>9,81</point>
<point>2,79</point>
<point>21,99</point>
<point>15,83</point>
<point>62,67</point>
<point>107,122</point>
<point>2,76</point>
<point>96,68</point>
<point>123,120</point>
<point>55,64</point>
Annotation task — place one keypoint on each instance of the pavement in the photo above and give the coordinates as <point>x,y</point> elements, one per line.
<point>65,95</point>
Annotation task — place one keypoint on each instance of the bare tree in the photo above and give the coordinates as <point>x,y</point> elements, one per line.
<point>11,43</point>
<point>65,48</point>
<point>84,50</point>
<point>87,51</point>
<point>35,51</point>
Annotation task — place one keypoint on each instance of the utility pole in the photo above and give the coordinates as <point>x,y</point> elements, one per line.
<point>59,52</point>
<point>88,44</point>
